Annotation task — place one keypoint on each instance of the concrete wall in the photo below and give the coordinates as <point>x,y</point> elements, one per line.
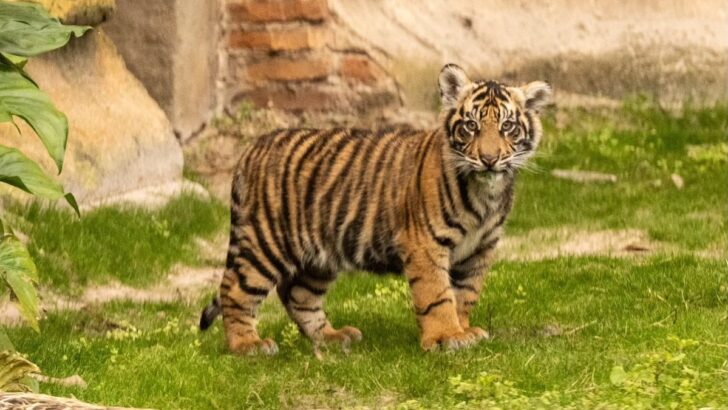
<point>671,49</point>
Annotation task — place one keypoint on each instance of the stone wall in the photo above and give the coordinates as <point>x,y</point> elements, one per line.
<point>283,54</point>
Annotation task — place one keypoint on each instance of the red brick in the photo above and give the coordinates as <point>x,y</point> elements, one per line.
<point>308,99</point>
<point>280,39</point>
<point>262,11</point>
<point>290,69</point>
<point>360,68</point>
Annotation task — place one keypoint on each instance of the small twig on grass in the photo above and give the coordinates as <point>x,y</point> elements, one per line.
<point>70,381</point>
<point>659,323</point>
<point>529,360</point>
<point>577,329</point>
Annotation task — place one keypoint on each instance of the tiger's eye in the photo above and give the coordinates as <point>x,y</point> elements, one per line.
<point>507,126</point>
<point>471,126</point>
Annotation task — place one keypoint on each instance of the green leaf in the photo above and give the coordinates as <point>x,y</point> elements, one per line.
<point>19,272</point>
<point>617,376</point>
<point>19,96</point>
<point>5,343</point>
<point>21,172</point>
<point>15,60</point>
<point>14,371</point>
<point>27,30</point>
<point>72,201</point>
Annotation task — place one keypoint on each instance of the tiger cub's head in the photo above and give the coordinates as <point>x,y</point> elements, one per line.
<point>490,126</point>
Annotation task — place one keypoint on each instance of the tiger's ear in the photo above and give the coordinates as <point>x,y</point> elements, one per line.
<point>538,94</point>
<point>452,81</point>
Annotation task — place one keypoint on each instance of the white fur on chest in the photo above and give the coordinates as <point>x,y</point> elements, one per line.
<point>493,186</point>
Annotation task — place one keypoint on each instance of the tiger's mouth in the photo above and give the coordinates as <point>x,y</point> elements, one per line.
<point>489,176</point>
<point>500,169</point>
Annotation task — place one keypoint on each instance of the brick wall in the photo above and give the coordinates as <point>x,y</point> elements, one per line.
<point>281,53</point>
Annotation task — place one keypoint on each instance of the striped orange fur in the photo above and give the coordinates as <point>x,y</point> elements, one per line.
<point>308,204</point>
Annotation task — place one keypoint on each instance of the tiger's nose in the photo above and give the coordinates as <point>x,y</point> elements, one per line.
<point>488,160</point>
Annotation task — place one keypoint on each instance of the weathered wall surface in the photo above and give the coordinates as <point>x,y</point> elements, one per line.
<point>172,47</point>
<point>672,49</point>
<point>283,54</point>
<point>199,57</point>
<point>119,139</point>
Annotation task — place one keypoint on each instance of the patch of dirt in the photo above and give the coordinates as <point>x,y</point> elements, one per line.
<point>214,251</point>
<point>184,283</point>
<point>583,176</point>
<point>546,331</point>
<point>339,398</point>
<point>539,244</point>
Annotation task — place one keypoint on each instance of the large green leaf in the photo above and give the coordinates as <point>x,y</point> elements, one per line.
<point>20,171</point>
<point>19,96</point>
<point>19,272</point>
<point>28,30</point>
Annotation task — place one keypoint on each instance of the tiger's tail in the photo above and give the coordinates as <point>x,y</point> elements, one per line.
<point>210,312</point>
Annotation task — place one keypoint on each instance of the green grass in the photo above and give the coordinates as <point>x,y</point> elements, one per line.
<point>643,146</point>
<point>572,332</point>
<point>129,244</point>
<point>627,311</point>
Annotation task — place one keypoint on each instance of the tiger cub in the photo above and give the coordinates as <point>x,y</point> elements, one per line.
<point>307,204</point>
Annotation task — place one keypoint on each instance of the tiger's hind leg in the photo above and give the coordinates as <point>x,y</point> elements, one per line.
<point>245,284</point>
<point>303,298</point>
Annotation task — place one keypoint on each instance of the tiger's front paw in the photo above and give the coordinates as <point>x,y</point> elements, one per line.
<point>253,345</point>
<point>455,341</point>
<point>479,333</point>
<point>343,337</point>
<point>346,335</point>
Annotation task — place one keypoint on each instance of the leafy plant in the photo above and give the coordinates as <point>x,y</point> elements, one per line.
<point>26,30</point>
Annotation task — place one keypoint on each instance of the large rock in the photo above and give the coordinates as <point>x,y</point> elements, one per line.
<point>119,139</point>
